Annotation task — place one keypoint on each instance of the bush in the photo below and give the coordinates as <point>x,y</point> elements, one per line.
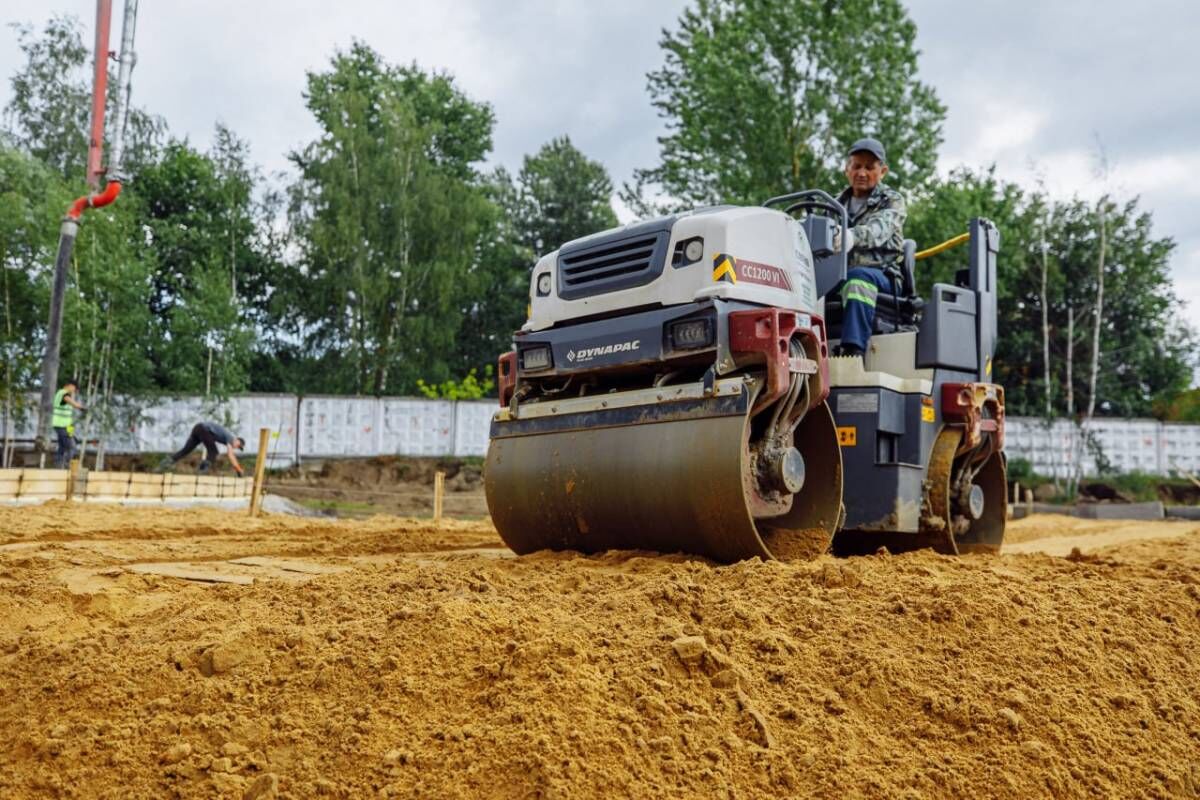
<point>469,388</point>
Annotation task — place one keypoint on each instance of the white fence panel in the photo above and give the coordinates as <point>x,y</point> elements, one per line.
<point>411,427</point>
<point>1180,447</point>
<point>275,411</point>
<point>329,426</point>
<point>471,427</point>
<point>165,426</point>
<point>339,426</point>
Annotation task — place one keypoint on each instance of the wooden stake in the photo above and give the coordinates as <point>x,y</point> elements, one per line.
<point>439,495</point>
<point>72,476</point>
<point>260,468</point>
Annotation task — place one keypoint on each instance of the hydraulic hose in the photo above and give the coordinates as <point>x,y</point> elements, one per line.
<point>946,245</point>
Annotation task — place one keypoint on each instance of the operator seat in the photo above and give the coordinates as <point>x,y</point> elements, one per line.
<point>899,311</point>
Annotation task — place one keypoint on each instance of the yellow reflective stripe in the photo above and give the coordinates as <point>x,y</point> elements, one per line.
<point>860,290</point>
<point>860,298</point>
<point>858,283</point>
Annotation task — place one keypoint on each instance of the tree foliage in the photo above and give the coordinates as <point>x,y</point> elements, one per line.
<point>559,195</point>
<point>763,97</point>
<point>1145,353</point>
<point>48,114</point>
<point>386,214</point>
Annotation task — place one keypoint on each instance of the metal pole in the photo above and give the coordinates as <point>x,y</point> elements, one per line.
<point>128,58</point>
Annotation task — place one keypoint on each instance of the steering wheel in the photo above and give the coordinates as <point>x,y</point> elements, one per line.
<point>811,200</point>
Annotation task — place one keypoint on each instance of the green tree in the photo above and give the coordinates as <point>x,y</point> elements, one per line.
<point>559,195</point>
<point>32,197</point>
<point>763,97</point>
<point>1146,354</point>
<point>387,214</point>
<point>498,279</point>
<point>562,195</point>
<point>1182,406</point>
<point>213,275</point>
<point>48,114</point>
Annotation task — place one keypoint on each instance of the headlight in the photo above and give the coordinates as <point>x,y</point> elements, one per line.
<point>692,334</point>
<point>543,284</point>
<point>533,358</point>
<point>687,252</point>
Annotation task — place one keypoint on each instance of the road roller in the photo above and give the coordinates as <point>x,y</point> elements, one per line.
<point>674,389</point>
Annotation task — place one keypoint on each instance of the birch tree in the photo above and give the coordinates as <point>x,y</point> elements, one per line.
<point>387,213</point>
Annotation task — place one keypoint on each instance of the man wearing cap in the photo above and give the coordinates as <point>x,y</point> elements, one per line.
<point>62,419</point>
<point>210,434</point>
<point>877,221</point>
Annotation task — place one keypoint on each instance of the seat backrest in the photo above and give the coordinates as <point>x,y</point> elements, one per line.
<point>908,268</point>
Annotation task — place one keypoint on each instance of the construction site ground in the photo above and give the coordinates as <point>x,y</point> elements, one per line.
<point>198,653</point>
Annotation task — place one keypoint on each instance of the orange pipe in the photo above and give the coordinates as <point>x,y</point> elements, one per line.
<point>98,200</point>
<point>99,92</point>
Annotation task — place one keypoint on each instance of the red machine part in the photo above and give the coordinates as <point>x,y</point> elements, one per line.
<point>769,331</point>
<point>506,376</point>
<point>99,98</point>
<point>965,403</point>
<point>99,92</point>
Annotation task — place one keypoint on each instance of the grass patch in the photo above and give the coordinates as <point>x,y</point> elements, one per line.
<point>336,506</point>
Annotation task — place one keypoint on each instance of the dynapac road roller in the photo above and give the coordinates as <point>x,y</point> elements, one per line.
<point>674,390</point>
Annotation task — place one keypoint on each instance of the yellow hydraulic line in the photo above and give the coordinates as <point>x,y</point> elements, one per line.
<point>946,245</point>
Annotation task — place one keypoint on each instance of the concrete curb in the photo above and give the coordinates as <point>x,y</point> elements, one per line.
<point>1121,510</point>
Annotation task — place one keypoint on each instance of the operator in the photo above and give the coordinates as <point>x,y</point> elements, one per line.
<point>877,223</point>
<point>210,434</point>
<point>62,419</point>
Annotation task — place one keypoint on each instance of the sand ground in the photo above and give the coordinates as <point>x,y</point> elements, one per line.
<point>157,653</point>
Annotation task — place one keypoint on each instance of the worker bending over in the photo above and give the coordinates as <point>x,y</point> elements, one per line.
<point>877,221</point>
<point>210,434</point>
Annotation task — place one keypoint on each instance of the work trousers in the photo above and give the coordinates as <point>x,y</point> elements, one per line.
<point>200,435</point>
<point>859,291</point>
<point>66,448</point>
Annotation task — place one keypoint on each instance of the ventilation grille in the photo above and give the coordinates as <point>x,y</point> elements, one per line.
<point>606,266</point>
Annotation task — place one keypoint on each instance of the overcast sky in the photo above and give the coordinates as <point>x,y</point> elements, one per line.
<point>1030,85</point>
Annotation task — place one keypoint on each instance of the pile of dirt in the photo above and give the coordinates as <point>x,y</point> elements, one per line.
<point>1179,494</point>
<point>384,484</point>
<point>622,675</point>
<point>387,471</point>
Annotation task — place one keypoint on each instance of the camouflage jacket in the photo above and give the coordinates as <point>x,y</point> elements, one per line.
<point>878,226</point>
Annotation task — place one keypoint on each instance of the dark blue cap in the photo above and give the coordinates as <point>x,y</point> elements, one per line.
<point>871,146</point>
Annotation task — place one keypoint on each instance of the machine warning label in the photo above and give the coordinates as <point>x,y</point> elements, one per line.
<point>848,436</point>
<point>858,403</point>
<point>927,414</point>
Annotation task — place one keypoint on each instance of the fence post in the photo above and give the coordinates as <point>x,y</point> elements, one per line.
<point>72,476</point>
<point>260,468</point>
